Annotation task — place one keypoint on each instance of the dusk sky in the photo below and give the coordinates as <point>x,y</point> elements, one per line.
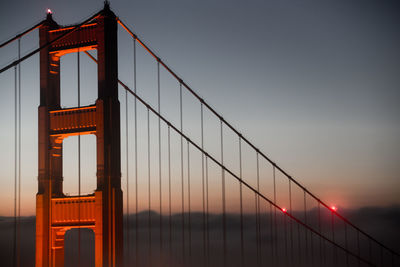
<point>313,84</point>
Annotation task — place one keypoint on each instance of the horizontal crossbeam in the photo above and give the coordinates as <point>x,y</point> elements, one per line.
<point>72,121</point>
<point>73,211</point>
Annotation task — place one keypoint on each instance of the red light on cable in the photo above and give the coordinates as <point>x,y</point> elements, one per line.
<point>333,208</point>
<point>284,210</point>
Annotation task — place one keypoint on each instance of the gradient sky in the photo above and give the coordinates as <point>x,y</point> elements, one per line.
<point>314,84</point>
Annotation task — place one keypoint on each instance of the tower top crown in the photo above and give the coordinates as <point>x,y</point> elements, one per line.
<point>49,18</point>
<point>106,12</point>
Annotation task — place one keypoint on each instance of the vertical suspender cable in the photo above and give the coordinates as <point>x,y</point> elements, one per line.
<point>271,233</point>
<point>312,247</point>
<point>299,243</point>
<point>291,224</point>
<point>15,168</point>
<point>223,198</point>
<point>203,184</point>
<point>258,242</point>
<point>182,180</point>
<point>127,176</point>
<point>286,243</point>
<point>321,248</point>
<point>149,183</point>
<point>346,246</point>
<point>189,206</point>
<point>305,229</point>
<point>358,248</point>
<point>19,157</point>
<point>257,248</point>
<point>136,159</point>
<point>370,250</point>
<point>241,203</point>
<point>275,224</point>
<point>79,159</point>
<point>333,236</point>
<point>169,197</point>
<point>159,153</point>
<point>207,217</point>
<point>392,258</point>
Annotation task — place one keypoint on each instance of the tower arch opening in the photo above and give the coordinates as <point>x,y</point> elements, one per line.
<point>71,246</point>
<point>87,168</point>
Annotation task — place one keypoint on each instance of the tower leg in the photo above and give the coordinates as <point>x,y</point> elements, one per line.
<point>57,250</point>
<point>42,244</point>
<point>98,231</point>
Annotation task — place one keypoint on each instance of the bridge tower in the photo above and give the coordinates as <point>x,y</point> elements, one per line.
<point>57,213</point>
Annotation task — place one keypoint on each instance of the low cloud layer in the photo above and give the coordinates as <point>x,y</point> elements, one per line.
<point>283,245</point>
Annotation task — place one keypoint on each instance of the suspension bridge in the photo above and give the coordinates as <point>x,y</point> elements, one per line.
<point>196,191</point>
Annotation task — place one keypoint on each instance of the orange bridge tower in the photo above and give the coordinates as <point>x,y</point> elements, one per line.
<point>57,213</point>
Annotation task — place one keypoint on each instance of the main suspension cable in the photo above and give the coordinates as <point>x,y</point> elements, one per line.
<point>18,36</point>
<point>14,63</point>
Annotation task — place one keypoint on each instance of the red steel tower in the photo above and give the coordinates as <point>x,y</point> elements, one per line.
<point>57,213</point>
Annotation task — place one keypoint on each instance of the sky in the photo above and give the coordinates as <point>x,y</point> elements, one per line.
<point>313,84</point>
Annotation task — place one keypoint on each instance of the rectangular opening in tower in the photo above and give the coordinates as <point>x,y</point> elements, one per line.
<point>76,239</point>
<point>87,166</point>
<point>69,79</point>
